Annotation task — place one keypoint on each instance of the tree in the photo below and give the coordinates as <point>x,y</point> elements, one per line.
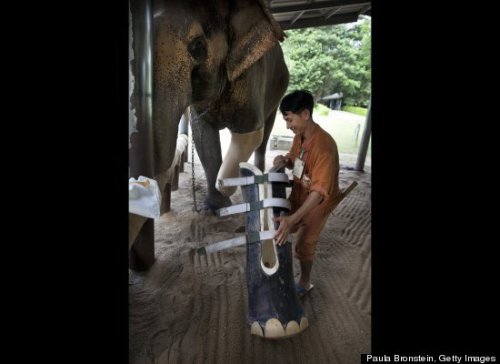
<point>331,59</point>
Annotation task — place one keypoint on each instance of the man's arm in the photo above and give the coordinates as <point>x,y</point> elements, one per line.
<point>288,222</point>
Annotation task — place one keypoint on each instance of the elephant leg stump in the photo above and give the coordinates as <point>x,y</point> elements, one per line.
<point>274,310</point>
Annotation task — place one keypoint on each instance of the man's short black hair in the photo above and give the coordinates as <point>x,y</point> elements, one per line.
<point>297,101</point>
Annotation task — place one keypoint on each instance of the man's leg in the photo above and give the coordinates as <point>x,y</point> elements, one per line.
<point>304,252</point>
<point>306,239</point>
<point>305,273</point>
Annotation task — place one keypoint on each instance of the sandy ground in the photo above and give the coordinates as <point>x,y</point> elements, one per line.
<point>192,309</point>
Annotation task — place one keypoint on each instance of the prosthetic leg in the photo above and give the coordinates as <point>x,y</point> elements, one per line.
<point>274,311</point>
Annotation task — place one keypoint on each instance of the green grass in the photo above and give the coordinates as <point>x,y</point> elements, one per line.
<point>345,127</point>
<point>355,110</point>
<point>320,109</point>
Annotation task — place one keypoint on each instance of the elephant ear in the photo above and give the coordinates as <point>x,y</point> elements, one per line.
<point>253,31</point>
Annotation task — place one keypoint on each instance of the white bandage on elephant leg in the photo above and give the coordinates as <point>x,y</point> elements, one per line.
<point>240,149</point>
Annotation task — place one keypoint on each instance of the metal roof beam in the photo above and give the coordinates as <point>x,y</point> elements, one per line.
<point>314,6</point>
<point>297,17</point>
<point>365,9</point>
<point>317,22</point>
<point>333,12</point>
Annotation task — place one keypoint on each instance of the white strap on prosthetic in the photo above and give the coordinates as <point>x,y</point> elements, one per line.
<point>240,149</point>
<point>252,206</point>
<point>269,261</point>
<point>240,240</point>
<point>245,181</point>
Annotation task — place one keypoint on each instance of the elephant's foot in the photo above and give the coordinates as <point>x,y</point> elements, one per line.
<point>216,201</point>
<point>274,329</point>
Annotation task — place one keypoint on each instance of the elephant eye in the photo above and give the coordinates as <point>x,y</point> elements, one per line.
<point>197,48</point>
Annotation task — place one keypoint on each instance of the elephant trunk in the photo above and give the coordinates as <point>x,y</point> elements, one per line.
<point>167,112</point>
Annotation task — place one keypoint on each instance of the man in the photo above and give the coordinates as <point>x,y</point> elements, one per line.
<point>315,161</point>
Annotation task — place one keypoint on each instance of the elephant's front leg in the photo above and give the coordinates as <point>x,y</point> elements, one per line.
<point>240,149</point>
<point>207,142</point>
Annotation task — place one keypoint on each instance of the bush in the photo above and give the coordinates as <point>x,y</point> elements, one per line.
<point>355,110</point>
<point>321,110</point>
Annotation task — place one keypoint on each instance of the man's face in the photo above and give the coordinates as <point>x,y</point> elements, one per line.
<point>296,122</point>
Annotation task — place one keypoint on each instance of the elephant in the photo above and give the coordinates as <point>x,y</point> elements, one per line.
<point>223,60</point>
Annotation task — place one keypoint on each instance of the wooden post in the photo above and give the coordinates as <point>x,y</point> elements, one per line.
<point>175,178</point>
<point>363,148</point>
<point>181,162</point>
<point>165,202</point>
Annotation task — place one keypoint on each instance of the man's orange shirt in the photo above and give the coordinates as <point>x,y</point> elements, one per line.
<point>321,169</point>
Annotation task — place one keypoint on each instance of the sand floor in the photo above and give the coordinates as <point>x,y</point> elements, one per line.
<point>192,309</point>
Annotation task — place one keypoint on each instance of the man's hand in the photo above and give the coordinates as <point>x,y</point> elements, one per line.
<point>281,160</point>
<point>287,223</point>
